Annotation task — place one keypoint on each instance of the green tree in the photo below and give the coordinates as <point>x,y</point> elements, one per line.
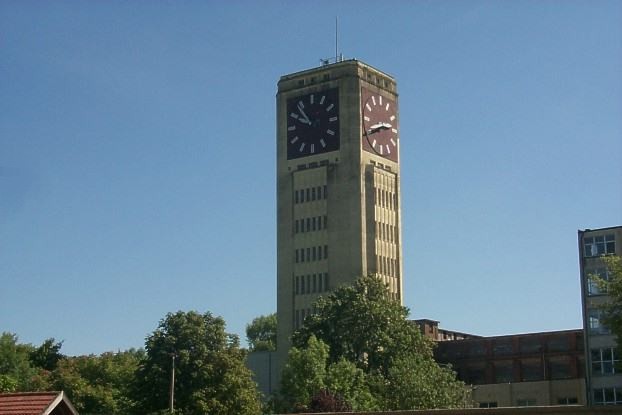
<point>261,333</point>
<point>99,384</point>
<point>47,355</point>
<point>304,373</point>
<point>363,325</point>
<point>16,372</point>
<point>613,286</point>
<point>210,376</point>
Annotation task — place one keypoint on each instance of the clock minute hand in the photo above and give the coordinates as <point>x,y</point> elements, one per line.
<point>378,127</point>
<point>302,112</point>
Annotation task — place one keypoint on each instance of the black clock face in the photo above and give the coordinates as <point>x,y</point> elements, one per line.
<point>313,124</point>
<point>380,130</point>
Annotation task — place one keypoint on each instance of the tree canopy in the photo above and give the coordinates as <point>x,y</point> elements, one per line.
<point>368,340</point>
<point>261,333</point>
<point>210,376</point>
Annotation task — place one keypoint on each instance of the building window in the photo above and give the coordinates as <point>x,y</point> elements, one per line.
<point>567,401</point>
<point>604,361</point>
<point>326,281</point>
<point>526,402</point>
<point>488,404</point>
<point>599,245</point>
<point>319,193</point>
<point>531,370</point>
<point>476,375</point>
<point>593,286</point>
<point>313,193</point>
<point>502,347</point>
<point>325,191</point>
<point>503,373</point>
<point>595,324</point>
<point>560,369</point>
<point>607,396</point>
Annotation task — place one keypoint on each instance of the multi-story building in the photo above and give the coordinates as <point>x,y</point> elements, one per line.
<point>338,186</point>
<point>534,369</point>
<point>603,361</point>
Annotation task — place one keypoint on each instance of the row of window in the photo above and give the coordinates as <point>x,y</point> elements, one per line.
<point>527,370</point>
<point>310,194</point>
<point>604,361</point>
<point>386,232</point>
<point>387,266</point>
<point>385,199</point>
<point>599,245</point>
<point>300,315</point>
<point>316,223</point>
<point>310,284</point>
<point>593,287</point>
<point>314,253</point>
<point>607,396</point>
<point>570,400</point>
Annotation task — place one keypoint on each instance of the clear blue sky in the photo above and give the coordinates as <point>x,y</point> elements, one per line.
<point>137,156</point>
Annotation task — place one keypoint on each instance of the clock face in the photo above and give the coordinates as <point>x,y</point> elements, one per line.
<point>313,124</point>
<point>380,130</point>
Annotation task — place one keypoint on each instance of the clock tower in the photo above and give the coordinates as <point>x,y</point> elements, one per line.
<point>338,186</point>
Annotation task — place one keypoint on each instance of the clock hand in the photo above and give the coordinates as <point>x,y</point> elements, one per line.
<point>378,127</point>
<point>302,112</point>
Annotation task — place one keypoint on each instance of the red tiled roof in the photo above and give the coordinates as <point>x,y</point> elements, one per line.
<point>30,403</point>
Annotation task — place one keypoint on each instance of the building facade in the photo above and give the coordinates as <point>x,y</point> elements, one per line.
<point>534,369</point>
<point>603,377</point>
<point>338,186</point>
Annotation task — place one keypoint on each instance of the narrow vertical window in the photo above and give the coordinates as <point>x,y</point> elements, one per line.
<point>302,284</point>
<point>296,196</point>
<point>319,193</point>
<point>308,224</point>
<point>326,281</point>
<point>308,254</point>
<point>296,255</point>
<point>319,223</point>
<point>325,192</point>
<point>297,285</point>
<point>296,226</point>
<point>313,193</point>
<point>308,194</point>
<point>320,278</point>
<point>302,196</point>
<point>314,283</point>
<point>302,255</point>
<point>313,222</point>
<point>308,284</point>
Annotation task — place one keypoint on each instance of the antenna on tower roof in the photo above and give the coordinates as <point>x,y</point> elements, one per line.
<point>336,39</point>
<point>338,56</point>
